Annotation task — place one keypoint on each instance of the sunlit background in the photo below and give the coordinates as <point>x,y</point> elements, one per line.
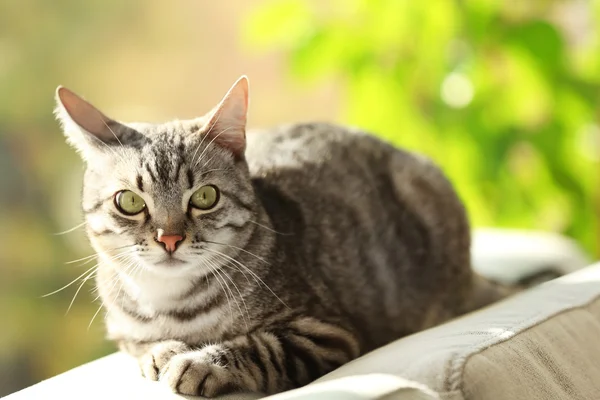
<point>503,94</point>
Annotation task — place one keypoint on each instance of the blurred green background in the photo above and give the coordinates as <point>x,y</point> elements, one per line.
<point>504,94</point>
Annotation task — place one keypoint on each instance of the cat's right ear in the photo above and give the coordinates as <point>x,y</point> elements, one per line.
<point>227,121</point>
<point>86,128</point>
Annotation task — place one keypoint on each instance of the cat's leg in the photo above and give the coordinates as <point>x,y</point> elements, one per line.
<point>266,362</point>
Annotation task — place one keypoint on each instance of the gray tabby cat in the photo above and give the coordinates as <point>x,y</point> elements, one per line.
<point>259,263</point>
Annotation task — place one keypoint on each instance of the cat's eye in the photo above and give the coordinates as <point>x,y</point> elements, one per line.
<point>129,203</point>
<point>205,198</point>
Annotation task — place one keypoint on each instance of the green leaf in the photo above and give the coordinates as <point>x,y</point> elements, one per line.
<point>281,23</point>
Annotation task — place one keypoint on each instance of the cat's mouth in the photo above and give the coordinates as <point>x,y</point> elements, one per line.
<point>170,261</point>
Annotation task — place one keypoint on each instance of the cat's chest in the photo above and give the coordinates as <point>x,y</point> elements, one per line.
<point>203,327</point>
<point>152,310</point>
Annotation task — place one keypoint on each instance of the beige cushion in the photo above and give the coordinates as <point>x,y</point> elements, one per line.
<point>541,344</point>
<point>361,387</point>
<point>117,377</point>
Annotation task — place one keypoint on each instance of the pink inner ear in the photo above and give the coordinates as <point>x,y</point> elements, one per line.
<point>228,121</point>
<point>84,114</point>
<point>228,135</point>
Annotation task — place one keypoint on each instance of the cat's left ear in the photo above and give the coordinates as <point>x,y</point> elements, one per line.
<point>226,124</point>
<point>86,128</point>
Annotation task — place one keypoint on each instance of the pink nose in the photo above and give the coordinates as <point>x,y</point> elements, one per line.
<point>170,241</point>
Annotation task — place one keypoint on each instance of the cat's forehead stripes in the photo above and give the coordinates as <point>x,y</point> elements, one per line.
<point>190,178</point>
<point>140,183</point>
<point>150,173</point>
<point>163,157</point>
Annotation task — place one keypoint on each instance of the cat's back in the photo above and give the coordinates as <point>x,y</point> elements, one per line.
<point>311,154</point>
<point>299,146</point>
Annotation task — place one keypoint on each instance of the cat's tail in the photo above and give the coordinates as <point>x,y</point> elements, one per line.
<point>486,291</point>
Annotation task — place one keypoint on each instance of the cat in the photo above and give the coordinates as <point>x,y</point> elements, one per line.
<point>260,262</point>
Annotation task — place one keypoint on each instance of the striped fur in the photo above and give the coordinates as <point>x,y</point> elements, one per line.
<point>267,361</point>
<point>326,243</point>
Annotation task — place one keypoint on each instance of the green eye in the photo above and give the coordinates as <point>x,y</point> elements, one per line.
<point>205,198</point>
<point>129,203</point>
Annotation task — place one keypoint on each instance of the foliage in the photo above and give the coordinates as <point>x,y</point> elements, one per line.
<point>500,93</point>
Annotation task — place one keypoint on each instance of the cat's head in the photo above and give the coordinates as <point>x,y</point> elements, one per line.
<point>175,198</point>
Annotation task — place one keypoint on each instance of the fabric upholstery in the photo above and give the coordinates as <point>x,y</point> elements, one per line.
<point>558,358</point>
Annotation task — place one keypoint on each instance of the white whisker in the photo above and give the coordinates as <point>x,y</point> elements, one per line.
<point>247,318</point>
<point>111,131</point>
<point>70,283</point>
<point>70,230</point>
<point>208,145</point>
<point>97,255</point>
<point>249,271</point>
<point>270,229</point>
<point>204,137</point>
<point>214,170</point>
<point>123,255</point>
<point>95,314</point>
<point>208,161</point>
<point>83,281</point>
<point>124,158</point>
<point>218,272</point>
<point>240,249</point>
<point>212,271</point>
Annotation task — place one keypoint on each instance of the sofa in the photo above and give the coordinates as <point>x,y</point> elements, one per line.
<point>538,344</point>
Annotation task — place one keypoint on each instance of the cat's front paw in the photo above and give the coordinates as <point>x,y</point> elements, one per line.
<point>155,360</point>
<point>201,372</point>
